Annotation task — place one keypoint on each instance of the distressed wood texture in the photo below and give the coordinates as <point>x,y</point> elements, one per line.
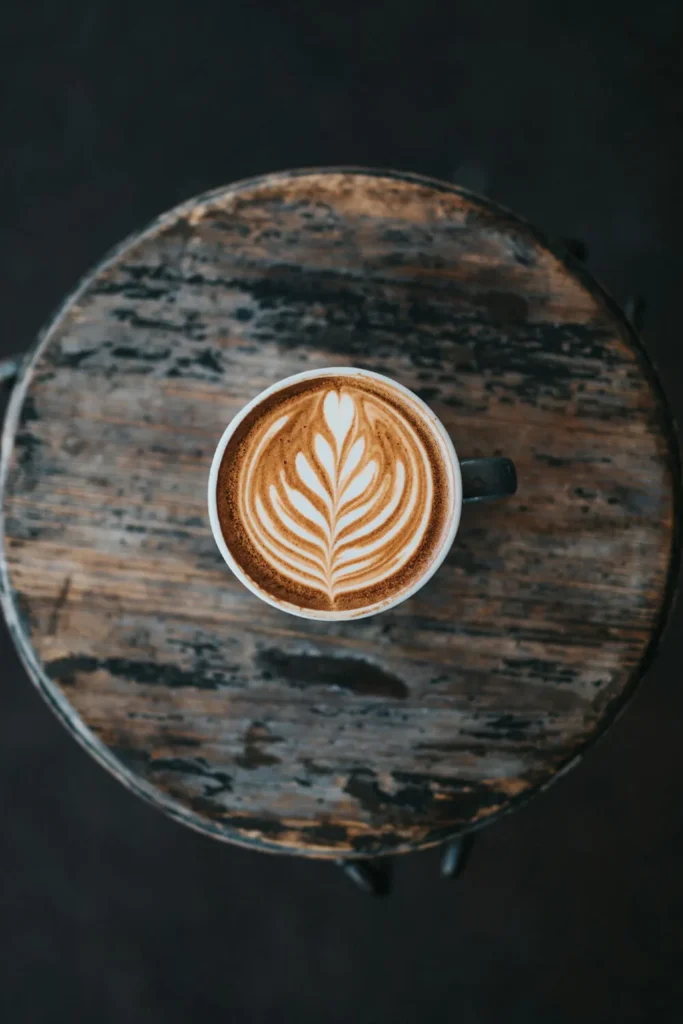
<point>354,738</point>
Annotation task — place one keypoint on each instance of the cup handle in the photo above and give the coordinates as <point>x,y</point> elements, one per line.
<point>487,479</point>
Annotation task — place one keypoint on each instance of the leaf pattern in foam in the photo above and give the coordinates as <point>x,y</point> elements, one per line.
<point>349,516</point>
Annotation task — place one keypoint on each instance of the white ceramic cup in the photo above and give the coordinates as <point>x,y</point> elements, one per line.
<point>453,468</point>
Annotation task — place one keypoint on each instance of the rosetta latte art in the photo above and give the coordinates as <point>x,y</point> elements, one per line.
<point>335,491</point>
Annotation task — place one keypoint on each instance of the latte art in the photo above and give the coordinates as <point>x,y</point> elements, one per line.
<point>332,495</point>
<point>351,507</point>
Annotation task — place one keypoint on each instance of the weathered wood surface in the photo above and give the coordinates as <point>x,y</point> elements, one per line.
<point>362,737</point>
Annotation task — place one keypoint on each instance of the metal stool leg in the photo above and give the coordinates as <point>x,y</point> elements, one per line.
<point>9,370</point>
<point>634,308</point>
<point>455,856</point>
<point>372,876</point>
<point>577,247</point>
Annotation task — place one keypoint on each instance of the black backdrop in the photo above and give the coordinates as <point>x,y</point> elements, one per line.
<point>110,112</point>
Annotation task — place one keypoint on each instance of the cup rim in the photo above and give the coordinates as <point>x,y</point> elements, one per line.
<point>349,614</point>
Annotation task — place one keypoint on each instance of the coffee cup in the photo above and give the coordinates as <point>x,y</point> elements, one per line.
<point>336,493</point>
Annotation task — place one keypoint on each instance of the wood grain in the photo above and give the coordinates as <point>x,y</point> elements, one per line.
<point>354,738</point>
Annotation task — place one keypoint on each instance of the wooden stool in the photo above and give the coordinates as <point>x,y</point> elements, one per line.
<point>345,740</point>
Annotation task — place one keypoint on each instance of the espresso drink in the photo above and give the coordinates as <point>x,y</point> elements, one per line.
<point>335,494</point>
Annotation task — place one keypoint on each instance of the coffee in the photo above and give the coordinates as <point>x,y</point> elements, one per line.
<point>336,494</point>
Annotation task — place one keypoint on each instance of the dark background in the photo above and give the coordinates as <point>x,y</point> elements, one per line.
<point>572,908</point>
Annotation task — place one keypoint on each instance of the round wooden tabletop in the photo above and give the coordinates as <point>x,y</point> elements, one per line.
<point>350,738</point>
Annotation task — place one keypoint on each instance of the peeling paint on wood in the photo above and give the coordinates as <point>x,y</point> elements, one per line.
<point>354,738</point>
